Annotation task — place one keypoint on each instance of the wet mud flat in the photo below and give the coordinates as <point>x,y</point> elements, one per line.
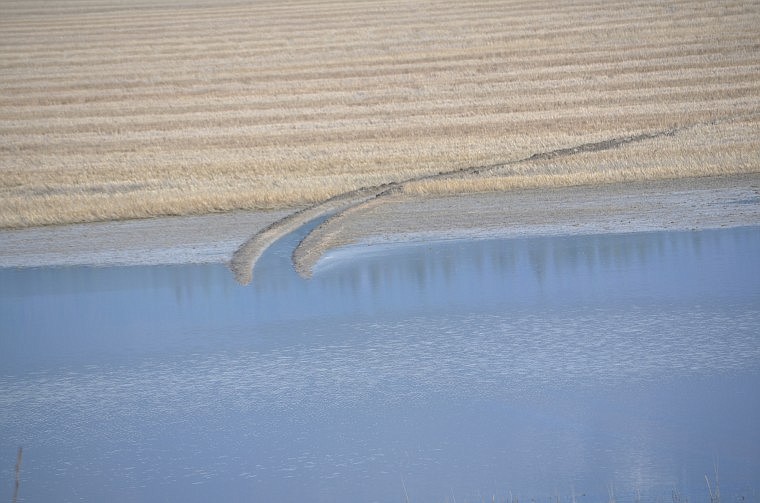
<point>680,204</point>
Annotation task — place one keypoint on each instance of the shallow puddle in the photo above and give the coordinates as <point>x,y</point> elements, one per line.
<point>562,367</point>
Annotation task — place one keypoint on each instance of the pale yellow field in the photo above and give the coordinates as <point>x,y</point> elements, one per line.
<point>113,109</point>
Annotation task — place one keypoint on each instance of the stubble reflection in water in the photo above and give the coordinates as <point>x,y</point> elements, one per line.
<point>542,367</point>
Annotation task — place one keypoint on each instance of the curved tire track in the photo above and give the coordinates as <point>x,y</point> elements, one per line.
<point>245,257</point>
<point>311,247</point>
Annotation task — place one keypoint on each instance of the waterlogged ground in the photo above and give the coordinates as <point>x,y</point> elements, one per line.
<point>538,368</point>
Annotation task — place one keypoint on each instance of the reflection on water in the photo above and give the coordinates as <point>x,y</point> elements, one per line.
<point>543,367</point>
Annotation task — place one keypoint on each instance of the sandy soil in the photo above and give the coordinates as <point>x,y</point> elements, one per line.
<point>694,203</point>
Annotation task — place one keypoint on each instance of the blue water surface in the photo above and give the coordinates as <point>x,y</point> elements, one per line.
<point>583,367</point>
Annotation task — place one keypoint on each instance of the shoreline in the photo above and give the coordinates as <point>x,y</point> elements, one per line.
<point>155,241</point>
<point>645,206</point>
<point>676,204</point>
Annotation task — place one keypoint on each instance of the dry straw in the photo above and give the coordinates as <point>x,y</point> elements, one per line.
<point>180,107</point>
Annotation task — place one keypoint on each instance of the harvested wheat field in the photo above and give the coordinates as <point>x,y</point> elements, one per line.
<point>115,110</point>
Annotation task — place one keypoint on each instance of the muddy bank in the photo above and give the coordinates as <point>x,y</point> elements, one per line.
<point>169,240</point>
<point>691,203</point>
<point>680,204</point>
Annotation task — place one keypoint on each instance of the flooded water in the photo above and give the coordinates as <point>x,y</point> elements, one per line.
<point>579,367</point>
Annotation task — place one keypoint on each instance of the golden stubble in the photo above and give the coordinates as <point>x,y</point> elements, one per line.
<point>111,112</point>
